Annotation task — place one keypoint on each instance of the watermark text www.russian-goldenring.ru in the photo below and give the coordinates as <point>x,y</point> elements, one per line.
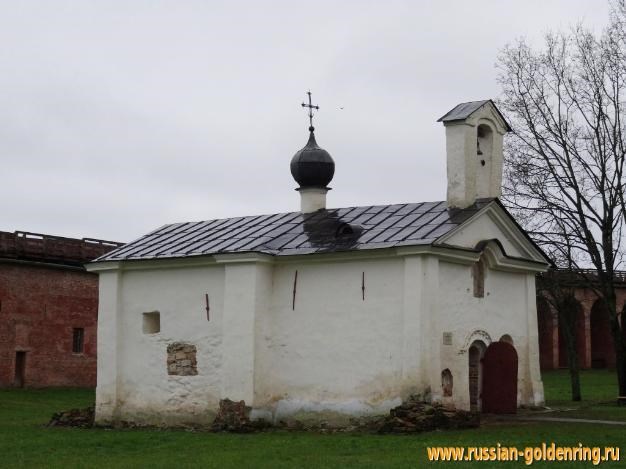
<point>529,455</point>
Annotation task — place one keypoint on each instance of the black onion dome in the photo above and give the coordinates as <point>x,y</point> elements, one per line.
<point>312,166</point>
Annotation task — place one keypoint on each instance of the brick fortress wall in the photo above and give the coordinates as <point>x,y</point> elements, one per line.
<point>593,338</point>
<point>45,294</point>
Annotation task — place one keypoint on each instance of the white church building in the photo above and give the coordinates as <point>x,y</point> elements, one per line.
<point>328,313</point>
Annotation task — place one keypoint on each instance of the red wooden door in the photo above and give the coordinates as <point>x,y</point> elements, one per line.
<point>499,392</point>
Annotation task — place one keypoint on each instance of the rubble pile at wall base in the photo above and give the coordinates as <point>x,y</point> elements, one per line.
<point>414,416</point>
<point>81,418</point>
<point>235,417</point>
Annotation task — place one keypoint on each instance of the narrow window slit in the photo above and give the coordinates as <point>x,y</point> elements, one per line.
<point>78,340</point>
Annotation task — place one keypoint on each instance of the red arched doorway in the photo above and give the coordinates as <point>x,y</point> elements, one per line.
<point>602,355</point>
<point>476,352</point>
<point>499,390</point>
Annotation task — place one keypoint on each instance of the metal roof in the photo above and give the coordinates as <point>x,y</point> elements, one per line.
<point>464,110</point>
<point>284,234</point>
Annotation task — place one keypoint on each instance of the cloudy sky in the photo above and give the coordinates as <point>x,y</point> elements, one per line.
<point>117,117</point>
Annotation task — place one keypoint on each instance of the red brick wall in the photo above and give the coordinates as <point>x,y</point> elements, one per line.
<point>40,307</point>
<point>594,342</point>
<point>545,323</point>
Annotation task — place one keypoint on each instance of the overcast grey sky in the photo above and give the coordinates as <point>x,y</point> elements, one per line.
<point>117,117</point>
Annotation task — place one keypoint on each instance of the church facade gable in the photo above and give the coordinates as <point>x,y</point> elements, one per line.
<point>494,222</point>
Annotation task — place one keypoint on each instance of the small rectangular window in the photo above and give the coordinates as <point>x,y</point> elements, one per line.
<point>78,341</point>
<point>151,322</point>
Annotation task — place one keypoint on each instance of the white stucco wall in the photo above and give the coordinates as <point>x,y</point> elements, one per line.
<point>468,177</point>
<point>145,392</point>
<point>334,354</point>
<point>334,351</point>
<point>503,310</point>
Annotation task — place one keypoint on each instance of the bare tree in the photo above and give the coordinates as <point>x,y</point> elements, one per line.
<point>565,162</point>
<point>558,289</point>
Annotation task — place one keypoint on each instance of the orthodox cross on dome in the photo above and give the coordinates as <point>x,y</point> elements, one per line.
<point>311,107</point>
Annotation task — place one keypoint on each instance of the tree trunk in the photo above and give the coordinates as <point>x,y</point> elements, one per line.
<point>572,363</point>
<point>620,355</point>
<point>568,330</point>
<point>619,345</point>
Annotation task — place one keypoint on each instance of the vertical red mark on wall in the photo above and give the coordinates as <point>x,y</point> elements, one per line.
<point>363,286</point>
<point>208,308</point>
<point>295,284</point>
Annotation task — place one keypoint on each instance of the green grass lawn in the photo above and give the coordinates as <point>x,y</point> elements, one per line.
<point>26,442</point>
<point>599,392</point>
<point>596,385</point>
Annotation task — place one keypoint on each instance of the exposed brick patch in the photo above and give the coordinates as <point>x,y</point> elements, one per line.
<point>181,359</point>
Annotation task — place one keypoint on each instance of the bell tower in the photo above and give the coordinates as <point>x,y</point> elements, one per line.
<point>474,135</point>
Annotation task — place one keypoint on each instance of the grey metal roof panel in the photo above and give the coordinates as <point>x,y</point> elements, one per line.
<point>412,242</point>
<point>294,233</point>
<point>464,110</point>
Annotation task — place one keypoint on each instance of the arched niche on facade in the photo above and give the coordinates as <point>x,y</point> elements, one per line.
<point>447,383</point>
<point>475,354</point>
<point>507,338</point>
<point>477,335</point>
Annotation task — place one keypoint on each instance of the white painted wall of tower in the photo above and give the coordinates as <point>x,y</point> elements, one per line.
<point>472,175</point>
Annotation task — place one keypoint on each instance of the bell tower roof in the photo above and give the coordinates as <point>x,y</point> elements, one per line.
<point>463,111</point>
